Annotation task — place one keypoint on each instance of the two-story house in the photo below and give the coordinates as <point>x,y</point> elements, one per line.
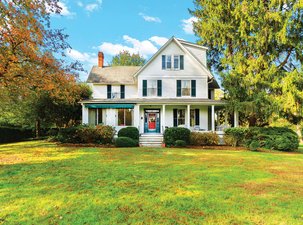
<point>174,88</point>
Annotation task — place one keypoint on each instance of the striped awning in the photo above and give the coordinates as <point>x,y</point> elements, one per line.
<point>110,106</point>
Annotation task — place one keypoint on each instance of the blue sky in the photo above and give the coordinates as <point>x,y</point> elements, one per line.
<point>114,25</point>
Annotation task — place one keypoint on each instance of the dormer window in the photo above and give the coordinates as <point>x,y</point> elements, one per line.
<point>172,62</point>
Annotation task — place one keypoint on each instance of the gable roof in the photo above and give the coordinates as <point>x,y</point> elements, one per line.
<point>179,43</point>
<point>113,75</point>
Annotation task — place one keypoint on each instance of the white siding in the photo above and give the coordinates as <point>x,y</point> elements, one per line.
<point>199,53</point>
<point>192,71</point>
<point>100,90</point>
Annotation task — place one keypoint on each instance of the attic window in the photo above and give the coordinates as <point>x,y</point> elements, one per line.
<point>172,62</point>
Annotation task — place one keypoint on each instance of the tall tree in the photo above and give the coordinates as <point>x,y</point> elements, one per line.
<point>256,47</point>
<point>124,58</point>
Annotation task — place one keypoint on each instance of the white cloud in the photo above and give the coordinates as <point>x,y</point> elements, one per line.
<point>90,7</point>
<point>64,10</point>
<point>158,40</point>
<point>144,48</point>
<point>187,25</point>
<point>150,18</point>
<point>90,58</point>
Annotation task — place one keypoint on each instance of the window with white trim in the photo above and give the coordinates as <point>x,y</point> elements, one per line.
<point>152,88</point>
<point>172,62</point>
<point>181,116</point>
<point>125,117</point>
<point>185,87</point>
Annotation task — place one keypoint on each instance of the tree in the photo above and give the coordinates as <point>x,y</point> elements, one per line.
<point>124,58</point>
<point>256,47</point>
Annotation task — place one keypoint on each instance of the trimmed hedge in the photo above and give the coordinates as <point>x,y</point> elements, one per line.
<point>180,143</point>
<point>14,134</point>
<point>172,134</point>
<point>131,132</point>
<point>86,134</point>
<point>126,142</point>
<point>276,138</point>
<point>204,138</point>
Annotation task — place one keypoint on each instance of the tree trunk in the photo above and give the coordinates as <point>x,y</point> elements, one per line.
<point>38,128</point>
<point>299,132</point>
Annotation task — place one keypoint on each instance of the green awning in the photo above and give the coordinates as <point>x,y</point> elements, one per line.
<point>110,106</point>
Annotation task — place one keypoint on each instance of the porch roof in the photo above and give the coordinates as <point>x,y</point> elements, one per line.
<point>158,101</point>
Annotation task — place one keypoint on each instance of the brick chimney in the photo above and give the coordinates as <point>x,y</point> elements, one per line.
<point>100,59</point>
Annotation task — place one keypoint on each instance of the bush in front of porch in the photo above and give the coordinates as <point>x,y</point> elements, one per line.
<point>127,137</point>
<point>172,134</point>
<point>204,138</point>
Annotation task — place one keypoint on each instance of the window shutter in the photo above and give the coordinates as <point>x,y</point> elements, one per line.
<point>178,88</point>
<point>181,62</point>
<point>122,91</point>
<point>109,91</point>
<point>163,62</point>
<point>175,117</point>
<point>159,87</point>
<point>193,88</point>
<point>144,89</point>
<point>197,117</point>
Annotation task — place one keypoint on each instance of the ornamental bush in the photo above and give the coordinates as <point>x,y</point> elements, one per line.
<point>180,143</point>
<point>235,135</point>
<point>131,132</point>
<point>277,138</point>
<point>86,134</point>
<point>172,134</point>
<point>204,138</point>
<point>126,142</point>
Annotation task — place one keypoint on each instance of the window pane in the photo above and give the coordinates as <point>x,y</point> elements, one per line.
<point>92,117</point>
<point>168,66</point>
<point>128,117</point>
<point>152,88</point>
<point>185,86</point>
<point>192,118</point>
<point>181,117</point>
<point>100,121</point>
<point>120,117</point>
<point>176,61</point>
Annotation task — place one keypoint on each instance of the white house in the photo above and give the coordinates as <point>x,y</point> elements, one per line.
<point>174,88</point>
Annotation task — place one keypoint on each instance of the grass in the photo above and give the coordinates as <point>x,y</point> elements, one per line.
<point>41,183</point>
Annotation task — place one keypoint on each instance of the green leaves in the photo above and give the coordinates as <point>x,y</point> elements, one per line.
<point>256,47</point>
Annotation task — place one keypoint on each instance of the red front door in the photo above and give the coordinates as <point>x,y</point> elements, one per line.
<point>151,121</point>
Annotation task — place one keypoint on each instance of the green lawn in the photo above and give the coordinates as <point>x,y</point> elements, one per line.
<point>41,183</point>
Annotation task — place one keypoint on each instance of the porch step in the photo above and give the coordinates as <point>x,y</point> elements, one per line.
<point>151,140</point>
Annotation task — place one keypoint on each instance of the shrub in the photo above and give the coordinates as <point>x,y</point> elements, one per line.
<point>125,142</point>
<point>131,132</point>
<point>13,134</point>
<point>204,138</point>
<point>254,145</point>
<point>176,133</point>
<point>277,138</point>
<point>180,143</point>
<point>106,133</point>
<point>236,135</point>
<point>86,134</point>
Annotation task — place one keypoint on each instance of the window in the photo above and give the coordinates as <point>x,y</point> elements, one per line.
<point>175,62</point>
<point>168,62</point>
<point>95,116</point>
<point>185,88</point>
<point>152,88</point>
<point>125,117</point>
<point>181,116</point>
<point>192,118</point>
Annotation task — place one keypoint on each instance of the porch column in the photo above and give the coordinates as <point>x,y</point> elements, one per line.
<point>84,115</point>
<point>236,118</point>
<point>163,118</point>
<point>137,116</point>
<point>213,118</point>
<point>188,116</point>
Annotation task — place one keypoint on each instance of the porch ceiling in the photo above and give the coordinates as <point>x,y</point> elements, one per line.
<point>151,101</point>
